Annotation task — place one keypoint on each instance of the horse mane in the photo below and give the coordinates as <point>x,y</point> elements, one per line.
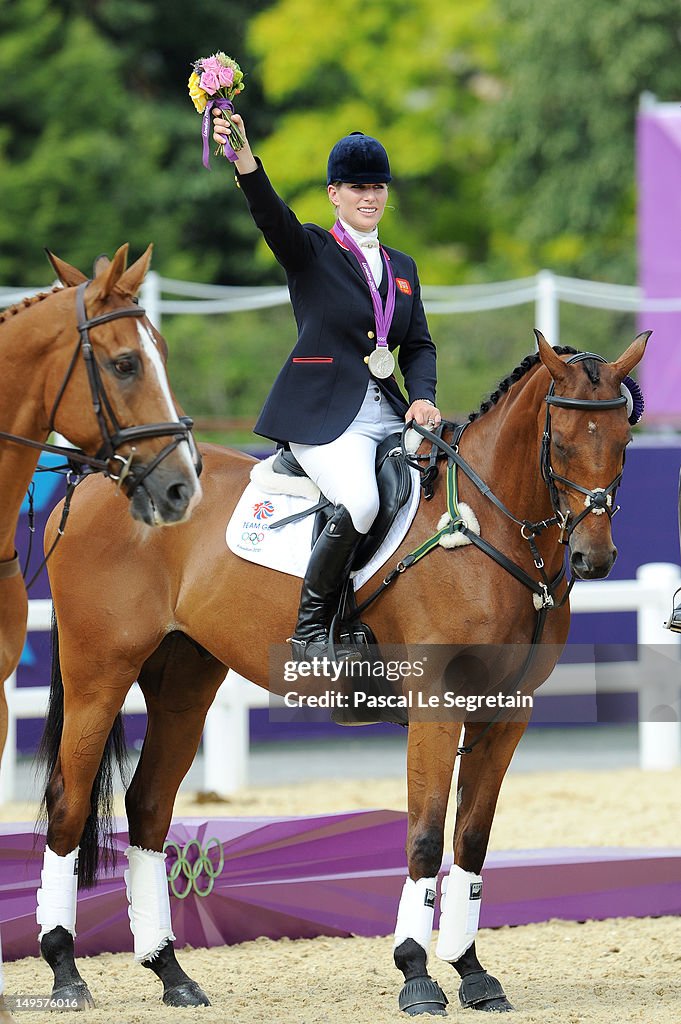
<point>31,300</point>
<point>591,368</point>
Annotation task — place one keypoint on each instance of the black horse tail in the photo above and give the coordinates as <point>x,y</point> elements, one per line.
<point>97,848</point>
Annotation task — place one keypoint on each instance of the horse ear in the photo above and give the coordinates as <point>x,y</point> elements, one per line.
<point>109,274</point>
<point>68,275</point>
<point>549,357</point>
<point>100,264</point>
<point>633,355</point>
<point>131,281</point>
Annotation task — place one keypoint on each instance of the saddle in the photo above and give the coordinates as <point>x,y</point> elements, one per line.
<point>394,489</point>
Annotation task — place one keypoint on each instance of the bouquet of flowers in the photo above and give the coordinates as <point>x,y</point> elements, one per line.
<point>214,82</point>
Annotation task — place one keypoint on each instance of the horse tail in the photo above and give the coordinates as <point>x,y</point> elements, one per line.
<point>97,849</point>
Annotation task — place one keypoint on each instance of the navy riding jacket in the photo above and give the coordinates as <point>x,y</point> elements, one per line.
<point>320,388</point>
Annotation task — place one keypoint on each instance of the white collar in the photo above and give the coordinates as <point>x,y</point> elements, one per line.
<point>362,237</point>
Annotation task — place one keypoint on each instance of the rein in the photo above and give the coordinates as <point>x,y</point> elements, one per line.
<point>598,501</point>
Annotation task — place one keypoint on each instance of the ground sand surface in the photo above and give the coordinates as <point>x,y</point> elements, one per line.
<point>600,972</point>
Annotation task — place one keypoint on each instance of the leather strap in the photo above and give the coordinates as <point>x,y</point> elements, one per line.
<point>10,568</point>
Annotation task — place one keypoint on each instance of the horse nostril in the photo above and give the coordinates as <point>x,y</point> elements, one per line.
<point>593,567</point>
<point>178,495</point>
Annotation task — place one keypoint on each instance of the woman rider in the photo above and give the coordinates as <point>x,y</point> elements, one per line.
<point>336,397</point>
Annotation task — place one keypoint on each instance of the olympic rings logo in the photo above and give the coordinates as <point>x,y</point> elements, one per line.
<point>184,875</point>
<point>252,537</point>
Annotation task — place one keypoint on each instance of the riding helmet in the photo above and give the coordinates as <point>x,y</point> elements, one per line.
<point>360,159</point>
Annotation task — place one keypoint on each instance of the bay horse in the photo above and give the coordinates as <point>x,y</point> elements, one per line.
<point>84,360</point>
<point>178,607</point>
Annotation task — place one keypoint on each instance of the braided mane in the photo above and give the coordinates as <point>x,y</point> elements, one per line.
<point>18,307</point>
<point>591,368</point>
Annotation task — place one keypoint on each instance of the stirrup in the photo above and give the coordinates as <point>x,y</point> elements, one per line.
<point>320,646</point>
<point>673,623</point>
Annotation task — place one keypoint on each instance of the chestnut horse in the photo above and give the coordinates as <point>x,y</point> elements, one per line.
<point>177,608</point>
<point>83,360</point>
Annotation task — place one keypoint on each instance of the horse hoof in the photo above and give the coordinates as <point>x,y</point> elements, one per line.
<point>76,996</point>
<point>422,995</point>
<point>186,994</point>
<point>494,1006</point>
<point>480,991</point>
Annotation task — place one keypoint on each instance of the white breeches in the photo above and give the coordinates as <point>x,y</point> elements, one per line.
<point>344,470</point>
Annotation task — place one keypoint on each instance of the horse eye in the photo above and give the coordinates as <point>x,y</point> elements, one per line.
<point>125,366</point>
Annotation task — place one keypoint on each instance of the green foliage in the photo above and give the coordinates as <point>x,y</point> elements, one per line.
<point>510,127</point>
<point>408,72</point>
<point>100,144</point>
<point>226,363</point>
<point>562,187</point>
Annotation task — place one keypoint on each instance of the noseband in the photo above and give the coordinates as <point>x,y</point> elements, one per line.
<point>107,460</point>
<point>599,499</point>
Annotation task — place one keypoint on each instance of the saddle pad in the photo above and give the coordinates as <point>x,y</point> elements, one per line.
<point>288,549</point>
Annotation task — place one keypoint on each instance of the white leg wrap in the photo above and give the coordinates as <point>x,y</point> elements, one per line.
<point>460,901</point>
<point>146,887</point>
<point>58,893</point>
<point>415,912</point>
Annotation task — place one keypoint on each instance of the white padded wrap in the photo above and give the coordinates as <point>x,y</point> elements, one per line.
<point>415,912</point>
<point>460,902</point>
<point>146,887</point>
<point>58,892</point>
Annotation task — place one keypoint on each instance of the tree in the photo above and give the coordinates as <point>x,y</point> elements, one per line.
<point>562,190</point>
<point>99,143</point>
<point>408,71</point>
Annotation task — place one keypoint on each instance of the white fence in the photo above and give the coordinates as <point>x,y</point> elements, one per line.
<point>226,740</point>
<point>545,289</point>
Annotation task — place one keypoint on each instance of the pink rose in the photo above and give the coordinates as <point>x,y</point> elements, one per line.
<point>209,82</point>
<point>225,75</point>
<point>211,64</point>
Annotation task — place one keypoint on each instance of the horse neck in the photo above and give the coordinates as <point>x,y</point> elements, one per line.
<point>25,339</point>
<point>503,445</point>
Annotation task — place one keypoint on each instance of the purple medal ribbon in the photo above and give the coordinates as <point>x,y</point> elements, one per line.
<point>383,317</point>
<point>221,104</point>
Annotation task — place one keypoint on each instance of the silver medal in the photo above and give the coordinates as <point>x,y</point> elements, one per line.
<point>381,362</point>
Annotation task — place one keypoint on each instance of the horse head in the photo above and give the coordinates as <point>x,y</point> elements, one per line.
<point>111,394</point>
<point>586,429</point>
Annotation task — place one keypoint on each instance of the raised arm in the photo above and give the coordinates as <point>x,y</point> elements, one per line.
<point>292,245</point>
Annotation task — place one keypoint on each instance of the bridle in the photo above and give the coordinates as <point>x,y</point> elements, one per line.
<point>597,500</point>
<point>107,460</point>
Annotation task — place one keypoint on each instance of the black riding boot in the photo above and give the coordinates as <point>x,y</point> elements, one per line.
<point>330,562</point>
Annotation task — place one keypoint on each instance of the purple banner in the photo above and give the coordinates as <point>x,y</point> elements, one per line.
<point>659,256</point>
